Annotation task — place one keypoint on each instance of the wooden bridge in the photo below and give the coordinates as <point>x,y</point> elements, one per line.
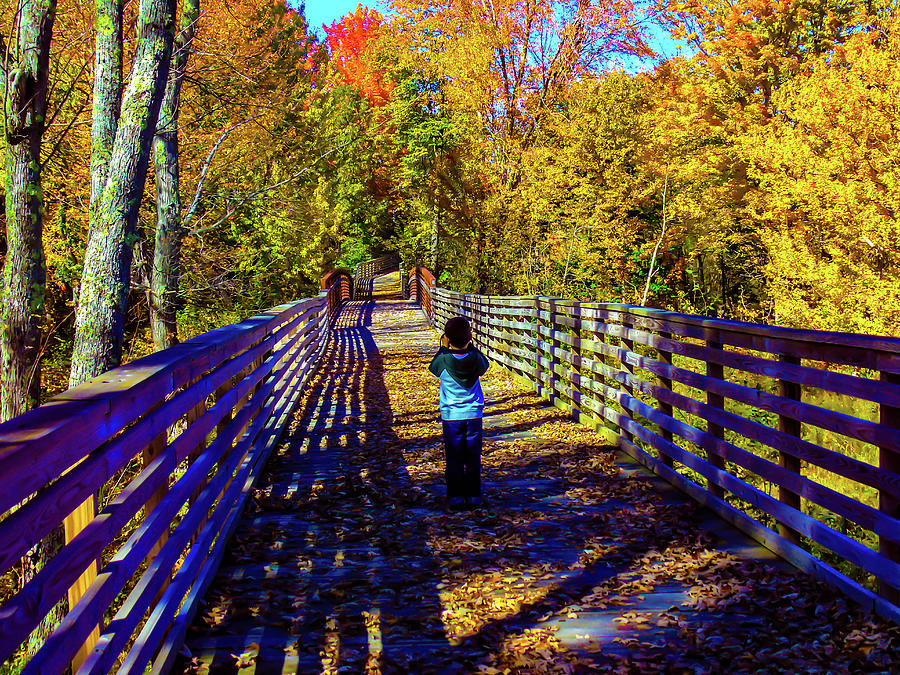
<point>270,497</point>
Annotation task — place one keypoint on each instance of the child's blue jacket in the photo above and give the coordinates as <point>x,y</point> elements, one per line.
<point>461,394</point>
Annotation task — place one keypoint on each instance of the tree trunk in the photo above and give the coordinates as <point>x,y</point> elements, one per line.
<point>24,270</point>
<point>107,92</point>
<point>103,299</point>
<point>435,238</point>
<point>165,273</point>
<point>24,277</point>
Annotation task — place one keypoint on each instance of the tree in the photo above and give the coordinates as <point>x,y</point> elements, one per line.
<point>165,272</point>
<point>24,79</point>
<point>829,199</point>
<point>351,42</point>
<point>509,61</point>
<point>105,282</point>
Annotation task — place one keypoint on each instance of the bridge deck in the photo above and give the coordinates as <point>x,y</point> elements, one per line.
<point>347,561</point>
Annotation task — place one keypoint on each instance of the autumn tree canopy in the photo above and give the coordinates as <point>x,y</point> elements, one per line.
<point>750,176</point>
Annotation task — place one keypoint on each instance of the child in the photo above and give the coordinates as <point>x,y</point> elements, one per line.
<point>459,365</point>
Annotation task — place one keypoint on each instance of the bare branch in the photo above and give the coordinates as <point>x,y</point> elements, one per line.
<point>65,131</point>
<point>659,241</point>
<point>209,158</point>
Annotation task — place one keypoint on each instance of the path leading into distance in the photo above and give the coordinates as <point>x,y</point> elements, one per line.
<point>346,560</point>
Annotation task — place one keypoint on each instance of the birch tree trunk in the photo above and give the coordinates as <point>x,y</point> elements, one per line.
<point>165,274</point>
<point>103,297</point>
<point>25,85</point>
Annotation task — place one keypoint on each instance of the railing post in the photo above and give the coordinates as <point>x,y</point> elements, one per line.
<point>889,460</point>
<point>792,427</point>
<point>628,370</point>
<point>539,357</point>
<point>546,373</point>
<point>665,357</point>
<point>716,430</point>
<point>432,285</point>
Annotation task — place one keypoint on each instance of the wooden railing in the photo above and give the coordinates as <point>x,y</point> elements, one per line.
<point>173,444</point>
<point>727,411</point>
<point>338,284</point>
<point>366,271</point>
<point>376,266</point>
<point>421,284</point>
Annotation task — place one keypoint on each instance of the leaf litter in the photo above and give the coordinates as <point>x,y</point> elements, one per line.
<point>348,561</point>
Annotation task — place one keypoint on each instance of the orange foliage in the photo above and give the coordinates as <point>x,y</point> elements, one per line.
<point>351,41</point>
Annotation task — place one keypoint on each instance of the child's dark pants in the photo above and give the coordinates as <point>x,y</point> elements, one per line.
<point>462,444</point>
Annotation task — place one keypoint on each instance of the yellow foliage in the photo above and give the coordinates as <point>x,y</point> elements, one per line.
<point>829,201</point>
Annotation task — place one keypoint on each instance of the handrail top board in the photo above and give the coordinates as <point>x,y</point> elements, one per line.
<point>329,278</point>
<point>81,418</point>
<point>878,342</point>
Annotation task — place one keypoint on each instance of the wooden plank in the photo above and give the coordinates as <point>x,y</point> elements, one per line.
<point>832,461</point>
<point>789,370</point>
<point>725,326</point>
<point>66,637</point>
<point>791,427</point>
<point>156,448</point>
<point>847,548</point>
<point>834,501</point>
<point>870,352</point>
<point>626,384</point>
<point>92,413</point>
<point>155,578</point>
<point>73,525</point>
<point>821,570</point>
<point>159,519</point>
<point>713,400</point>
<point>889,503</point>
<point>231,503</point>
<point>840,423</point>
<point>774,438</point>
<point>25,610</point>
<point>665,408</point>
<point>855,511</point>
<point>34,520</point>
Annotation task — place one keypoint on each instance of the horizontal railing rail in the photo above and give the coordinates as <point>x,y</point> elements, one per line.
<point>173,444</point>
<point>729,412</point>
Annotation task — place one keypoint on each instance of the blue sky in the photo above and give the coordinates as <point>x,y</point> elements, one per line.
<point>329,11</point>
<point>320,12</point>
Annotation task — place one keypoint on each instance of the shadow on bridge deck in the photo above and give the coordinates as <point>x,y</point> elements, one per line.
<point>582,562</point>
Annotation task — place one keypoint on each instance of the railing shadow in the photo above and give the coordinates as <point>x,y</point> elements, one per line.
<point>322,564</point>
